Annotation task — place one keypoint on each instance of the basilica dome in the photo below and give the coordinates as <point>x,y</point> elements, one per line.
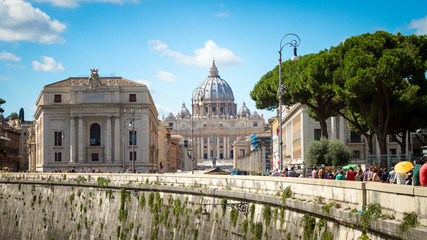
<point>244,110</point>
<point>214,87</point>
<point>183,112</point>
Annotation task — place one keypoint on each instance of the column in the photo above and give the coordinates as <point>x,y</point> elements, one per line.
<point>201,148</point>
<point>342,130</point>
<point>209,146</point>
<point>217,147</point>
<point>72,140</point>
<point>80,141</point>
<point>117,140</point>
<point>333,127</point>
<point>226,148</point>
<point>109,141</point>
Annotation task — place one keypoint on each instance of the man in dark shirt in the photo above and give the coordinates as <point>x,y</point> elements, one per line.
<point>416,174</point>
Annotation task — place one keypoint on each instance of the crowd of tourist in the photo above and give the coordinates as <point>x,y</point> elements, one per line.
<point>417,176</point>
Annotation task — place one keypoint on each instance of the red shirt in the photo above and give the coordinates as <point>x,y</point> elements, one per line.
<point>350,175</point>
<point>423,175</point>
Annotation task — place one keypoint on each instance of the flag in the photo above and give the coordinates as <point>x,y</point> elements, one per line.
<point>277,131</point>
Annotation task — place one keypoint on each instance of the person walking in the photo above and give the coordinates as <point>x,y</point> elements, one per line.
<point>423,175</point>
<point>392,176</point>
<point>350,174</point>
<point>416,174</point>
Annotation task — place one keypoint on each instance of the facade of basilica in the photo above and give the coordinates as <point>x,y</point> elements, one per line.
<point>214,123</point>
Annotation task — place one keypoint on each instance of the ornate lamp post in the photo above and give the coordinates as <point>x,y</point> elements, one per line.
<point>130,115</point>
<point>282,87</point>
<point>192,140</point>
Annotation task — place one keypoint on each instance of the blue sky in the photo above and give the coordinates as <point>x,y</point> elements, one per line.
<point>169,44</point>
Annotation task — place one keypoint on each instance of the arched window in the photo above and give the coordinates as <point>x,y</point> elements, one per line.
<point>205,156</point>
<point>95,135</point>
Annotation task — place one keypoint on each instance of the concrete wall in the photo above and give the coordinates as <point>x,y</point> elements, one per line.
<point>41,206</point>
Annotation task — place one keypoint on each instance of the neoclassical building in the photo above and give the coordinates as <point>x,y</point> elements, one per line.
<point>215,122</point>
<point>99,122</point>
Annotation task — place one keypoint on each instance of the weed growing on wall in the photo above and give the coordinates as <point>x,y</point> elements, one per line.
<point>123,213</point>
<point>142,201</point>
<point>327,208</point>
<point>245,226</point>
<point>373,212</point>
<point>252,212</point>
<point>287,193</point>
<point>224,206</point>
<point>151,201</point>
<point>234,215</point>
<point>108,194</point>
<point>266,214</point>
<point>410,220</point>
<point>309,223</point>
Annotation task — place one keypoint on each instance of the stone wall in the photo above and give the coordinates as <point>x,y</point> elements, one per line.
<point>121,206</point>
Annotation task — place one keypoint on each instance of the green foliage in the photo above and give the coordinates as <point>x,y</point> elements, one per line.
<point>309,223</point>
<point>103,182</point>
<point>266,214</point>
<point>78,226</point>
<point>410,220</point>
<point>21,116</point>
<point>151,201</point>
<point>142,201</point>
<point>123,213</point>
<point>328,152</point>
<point>326,208</point>
<point>234,215</point>
<point>256,230</point>
<point>252,212</point>
<point>85,222</point>
<point>287,193</point>
<point>13,116</point>
<point>224,206</point>
<point>195,233</point>
<point>373,212</point>
<point>71,198</point>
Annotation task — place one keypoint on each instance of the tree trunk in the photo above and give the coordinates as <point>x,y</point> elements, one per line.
<point>382,142</point>
<point>369,138</point>
<point>324,128</point>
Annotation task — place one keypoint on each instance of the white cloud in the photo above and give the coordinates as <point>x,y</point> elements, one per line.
<point>49,65</point>
<point>9,56</point>
<point>75,3</point>
<point>3,78</point>
<point>222,14</point>
<point>165,76</point>
<point>202,56</point>
<point>164,110</point>
<point>420,25</point>
<point>15,65</point>
<point>20,21</point>
<point>145,82</point>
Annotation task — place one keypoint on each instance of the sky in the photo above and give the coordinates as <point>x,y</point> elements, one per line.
<point>169,45</point>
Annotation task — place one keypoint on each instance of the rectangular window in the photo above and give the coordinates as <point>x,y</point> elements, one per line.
<point>132,97</point>
<point>317,134</point>
<point>132,138</point>
<point>95,157</point>
<point>354,137</point>
<point>171,125</point>
<point>57,98</point>
<point>255,124</point>
<point>58,139</point>
<point>130,156</point>
<point>58,156</point>
<point>391,138</point>
<point>356,154</point>
<point>393,151</point>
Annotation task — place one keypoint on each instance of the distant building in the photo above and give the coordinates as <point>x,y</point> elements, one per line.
<point>299,129</point>
<point>215,122</point>
<point>9,144</point>
<point>99,122</point>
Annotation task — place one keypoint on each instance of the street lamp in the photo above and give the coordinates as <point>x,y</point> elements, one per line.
<point>411,155</point>
<point>131,117</point>
<point>282,88</point>
<point>192,140</point>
